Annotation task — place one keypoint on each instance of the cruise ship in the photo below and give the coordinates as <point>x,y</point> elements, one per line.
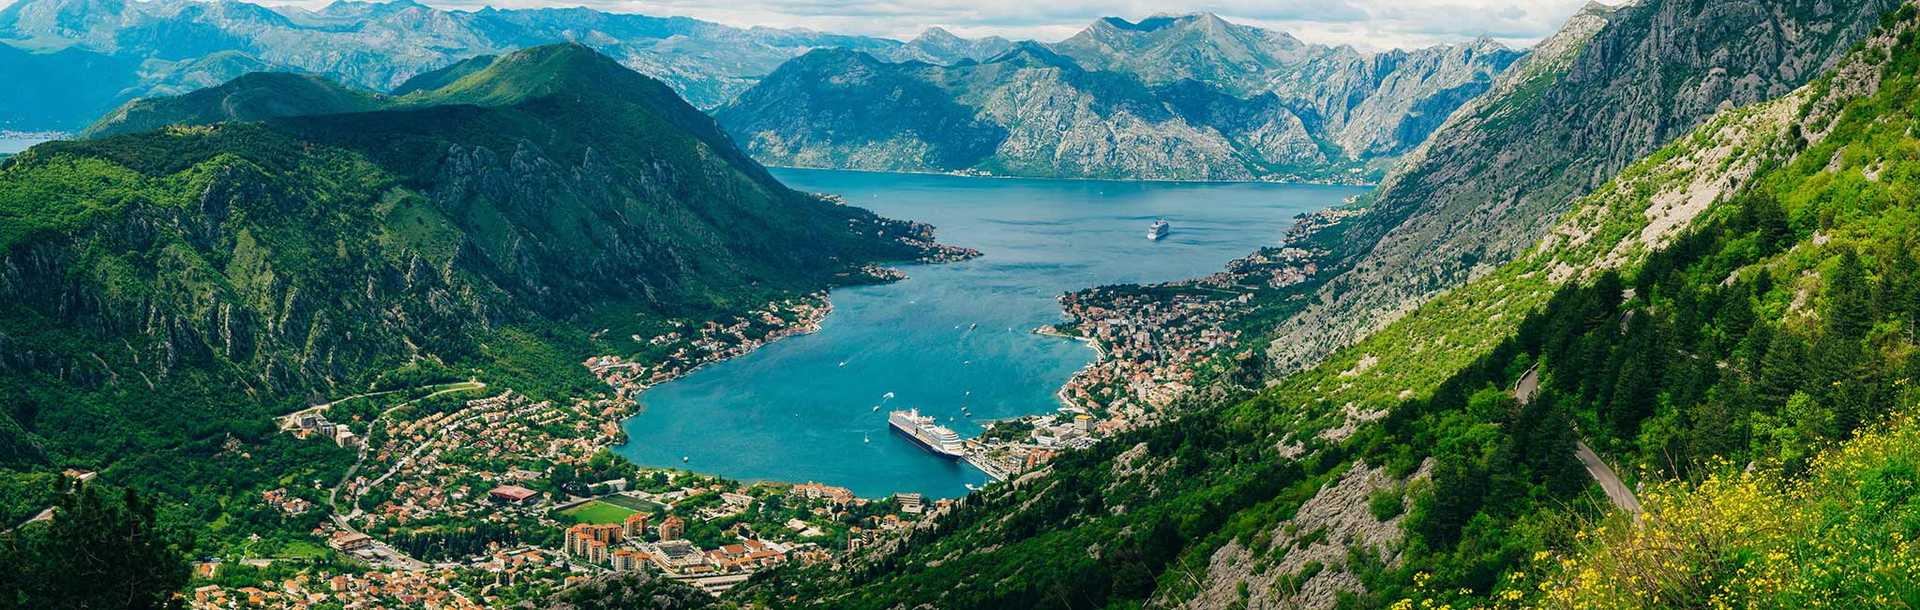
<point>1158,229</point>
<point>939,439</point>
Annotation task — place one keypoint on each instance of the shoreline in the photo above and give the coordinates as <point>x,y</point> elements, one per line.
<point>1099,356</point>
<point>907,172</point>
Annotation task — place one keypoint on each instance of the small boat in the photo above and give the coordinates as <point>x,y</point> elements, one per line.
<point>888,395</point>
<point>973,326</point>
<point>683,459</point>
<point>865,439</point>
<point>843,363</point>
<point>876,408</point>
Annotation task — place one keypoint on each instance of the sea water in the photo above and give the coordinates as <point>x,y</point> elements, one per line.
<point>803,408</point>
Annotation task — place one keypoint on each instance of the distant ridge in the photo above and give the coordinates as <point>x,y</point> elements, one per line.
<point>1183,97</point>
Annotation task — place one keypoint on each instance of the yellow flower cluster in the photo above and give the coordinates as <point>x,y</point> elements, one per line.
<point>1839,537</point>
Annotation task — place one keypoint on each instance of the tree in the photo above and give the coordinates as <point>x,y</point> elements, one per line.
<point>94,554</point>
<point>1849,310</point>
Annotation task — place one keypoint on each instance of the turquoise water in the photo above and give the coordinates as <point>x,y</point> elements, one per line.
<point>801,409</point>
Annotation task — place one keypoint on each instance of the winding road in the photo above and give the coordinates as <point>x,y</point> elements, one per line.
<point>344,521</point>
<point>1617,490</point>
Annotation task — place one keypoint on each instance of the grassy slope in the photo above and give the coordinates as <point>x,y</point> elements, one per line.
<point>1841,534</point>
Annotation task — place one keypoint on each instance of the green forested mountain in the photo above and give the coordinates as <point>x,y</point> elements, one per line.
<point>1729,309</point>
<point>169,290</point>
<point>251,97</point>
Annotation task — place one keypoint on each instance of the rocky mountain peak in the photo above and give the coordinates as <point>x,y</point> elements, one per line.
<point>937,34</point>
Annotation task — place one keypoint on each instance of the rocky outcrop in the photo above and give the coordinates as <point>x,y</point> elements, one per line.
<point>1366,105</point>
<point>1301,564</point>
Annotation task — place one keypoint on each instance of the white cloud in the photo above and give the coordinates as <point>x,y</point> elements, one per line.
<point>1368,24</point>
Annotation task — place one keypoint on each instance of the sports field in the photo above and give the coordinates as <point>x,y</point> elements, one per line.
<point>597,512</point>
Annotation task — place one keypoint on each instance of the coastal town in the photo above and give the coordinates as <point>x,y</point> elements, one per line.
<point>467,497</point>
<point>1154,342</point>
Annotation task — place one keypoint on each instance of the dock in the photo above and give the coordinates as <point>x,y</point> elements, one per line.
<point>980,462</point>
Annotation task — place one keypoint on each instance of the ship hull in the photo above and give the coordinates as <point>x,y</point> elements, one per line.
<point>924,444</point>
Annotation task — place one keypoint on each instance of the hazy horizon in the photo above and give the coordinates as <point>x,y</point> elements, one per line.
<point>1366,24</point>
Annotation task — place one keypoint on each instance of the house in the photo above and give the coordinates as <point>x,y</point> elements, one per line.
<point>347,542</point>
<point>816,491</point>
<point>512,494</point>
<point>207,568</point>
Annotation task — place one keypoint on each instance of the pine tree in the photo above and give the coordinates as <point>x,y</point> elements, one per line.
<point>1849,306</point>
<point>95,554</point>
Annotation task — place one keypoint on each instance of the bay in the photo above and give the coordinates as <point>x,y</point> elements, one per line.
<point>803,408</point>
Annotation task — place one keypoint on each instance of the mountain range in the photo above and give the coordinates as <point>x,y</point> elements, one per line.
<point>1191,97</point>
<point>1167,97</point>
<point>87,56</point>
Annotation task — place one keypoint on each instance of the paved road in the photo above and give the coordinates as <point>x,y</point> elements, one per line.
<point>345,521</point>
<point>1617,490</point>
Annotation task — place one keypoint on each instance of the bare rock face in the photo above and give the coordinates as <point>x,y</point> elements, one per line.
<point>1190,98</point>
<point>1302,563</point>
<point>1614,86</point>
<point>939,46</point>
